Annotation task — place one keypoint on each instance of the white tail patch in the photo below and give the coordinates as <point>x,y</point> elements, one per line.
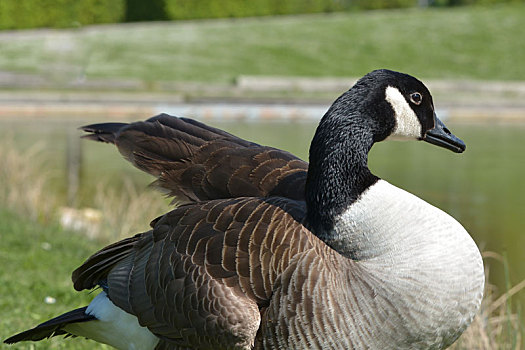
<point>113,326</point>
<point>407,124</point>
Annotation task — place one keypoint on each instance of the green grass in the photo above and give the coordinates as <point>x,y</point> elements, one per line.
<point>465,42</point>
<point>37,261</point>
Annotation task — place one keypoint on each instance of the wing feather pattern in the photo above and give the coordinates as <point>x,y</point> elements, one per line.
<point>195,162</point>
<point>205,272</point>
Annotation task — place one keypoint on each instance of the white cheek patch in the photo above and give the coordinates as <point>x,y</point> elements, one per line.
<point>407,124</point>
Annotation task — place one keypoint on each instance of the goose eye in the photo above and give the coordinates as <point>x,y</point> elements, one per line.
<point>416,98</point>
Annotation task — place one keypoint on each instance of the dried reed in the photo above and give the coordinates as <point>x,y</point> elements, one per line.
<point>24,182</point>
<point>127,212</point>
<point>496,326</point>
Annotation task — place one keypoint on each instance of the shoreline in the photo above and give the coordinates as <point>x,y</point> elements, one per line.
<point>248,98</point>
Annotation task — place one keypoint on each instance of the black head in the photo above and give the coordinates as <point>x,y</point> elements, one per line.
<point>400,106</point>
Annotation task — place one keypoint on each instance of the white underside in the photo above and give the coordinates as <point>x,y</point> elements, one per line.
<point>113,326</point>
<point>426,269</point>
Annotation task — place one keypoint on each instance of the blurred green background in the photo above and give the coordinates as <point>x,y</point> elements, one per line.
<point>264,70</point>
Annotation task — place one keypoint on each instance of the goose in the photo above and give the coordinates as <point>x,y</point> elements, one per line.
<point>266,251</point>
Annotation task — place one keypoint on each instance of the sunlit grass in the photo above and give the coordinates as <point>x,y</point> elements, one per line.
<point>37,261</point>
<point>454,43</point>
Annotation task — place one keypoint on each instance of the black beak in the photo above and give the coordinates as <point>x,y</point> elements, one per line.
<point>439,135</point>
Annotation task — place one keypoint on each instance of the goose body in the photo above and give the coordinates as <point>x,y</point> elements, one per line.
<point>270,252</point>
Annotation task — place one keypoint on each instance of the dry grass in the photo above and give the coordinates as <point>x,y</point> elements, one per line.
<point>127,212</point>
<point>24,188</point>
<point>24,182</point>
<point>496,326</point>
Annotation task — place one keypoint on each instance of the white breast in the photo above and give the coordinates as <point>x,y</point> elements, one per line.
<point>425,270</point>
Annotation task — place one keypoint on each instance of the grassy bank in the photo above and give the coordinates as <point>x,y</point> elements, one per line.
<point>466,42</point>
<point>37,255</point>
<point>37,261</point>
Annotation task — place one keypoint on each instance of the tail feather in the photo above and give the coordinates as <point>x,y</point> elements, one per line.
<point>52,327</point>
<point>104,132</point>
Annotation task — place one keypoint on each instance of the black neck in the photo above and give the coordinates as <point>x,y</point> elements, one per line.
<point>338,171</point>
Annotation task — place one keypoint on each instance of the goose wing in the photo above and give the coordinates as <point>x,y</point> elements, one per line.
<point>195,162</point>
<point>201,276</point>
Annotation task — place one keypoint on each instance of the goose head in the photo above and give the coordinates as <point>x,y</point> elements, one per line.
<point>392,105</point>
<point>382,105</point>
<point>413,112</point>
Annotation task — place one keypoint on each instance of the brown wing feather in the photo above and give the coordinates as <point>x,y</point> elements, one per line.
<point>202,275</point>
<point>195,162</point>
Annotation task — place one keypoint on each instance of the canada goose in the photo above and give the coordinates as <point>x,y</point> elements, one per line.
<point>269,252</point>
